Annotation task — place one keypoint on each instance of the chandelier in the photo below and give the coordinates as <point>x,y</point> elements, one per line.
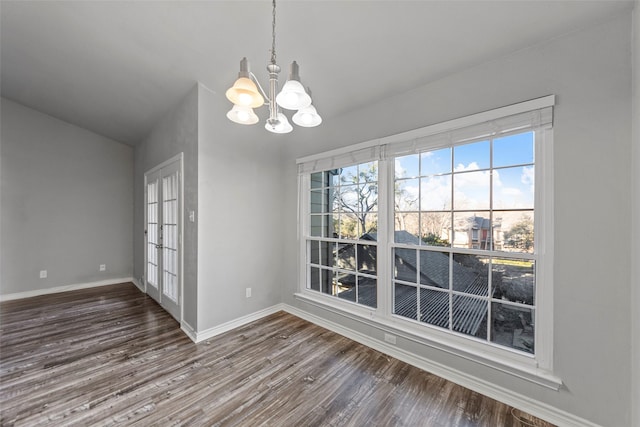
<point>245,96</point>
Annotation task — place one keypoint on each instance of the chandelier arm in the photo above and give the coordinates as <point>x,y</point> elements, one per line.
<point>264,94</point>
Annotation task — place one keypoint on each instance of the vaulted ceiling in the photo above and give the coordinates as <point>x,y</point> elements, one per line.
<point>115,67</point>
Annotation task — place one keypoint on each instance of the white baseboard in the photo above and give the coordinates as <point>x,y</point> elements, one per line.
<point>524,403</point>
<point>57,289</point>
<point>189,331</point>
<point>232,324</point>
<point>138,284</point>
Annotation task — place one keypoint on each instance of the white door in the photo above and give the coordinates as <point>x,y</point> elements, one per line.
<point>163,235</point>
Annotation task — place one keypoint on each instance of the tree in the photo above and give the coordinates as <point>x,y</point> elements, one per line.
<point>520,236</point>
<point>358,195</point>
<point>434,240</point>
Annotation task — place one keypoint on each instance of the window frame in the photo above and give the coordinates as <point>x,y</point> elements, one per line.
<point>538,367</point>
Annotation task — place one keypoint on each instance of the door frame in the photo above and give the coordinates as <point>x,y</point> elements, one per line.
<point>177,158</point>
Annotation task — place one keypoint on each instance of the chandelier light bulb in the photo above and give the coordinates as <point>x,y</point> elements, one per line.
<point>307,117</point>
<point>279,125</point>
<point>242,115</point>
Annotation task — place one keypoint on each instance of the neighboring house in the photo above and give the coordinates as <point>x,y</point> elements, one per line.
<point>476,232</point>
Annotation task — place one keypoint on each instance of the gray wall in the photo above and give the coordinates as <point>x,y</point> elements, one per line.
<point>590,72</point>
<point>176,133</point>
<point>241,210</point>
<point>66,203</point>
<point>635,250</point>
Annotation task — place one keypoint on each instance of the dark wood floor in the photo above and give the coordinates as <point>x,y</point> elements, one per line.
<point>111,356</point>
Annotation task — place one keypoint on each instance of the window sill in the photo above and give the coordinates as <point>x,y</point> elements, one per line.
<point>518,365</point>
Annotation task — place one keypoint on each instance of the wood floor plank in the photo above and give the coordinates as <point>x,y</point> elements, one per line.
<point>110,356</point>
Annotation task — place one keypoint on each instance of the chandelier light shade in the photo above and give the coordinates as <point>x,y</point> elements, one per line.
<point>307,117</point>
<point>246,94</point>
<point>293,96</point>
<point>244,91</point>
<point>281,125</point>
<point>242,115</point>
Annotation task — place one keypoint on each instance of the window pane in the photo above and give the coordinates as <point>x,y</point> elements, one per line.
<point>435,193</point>
<point>405,265</point>
<point>405,301</point>
<point>319,201</point>
<point>347,256</point>
<point>407,228</point>
<point>471,156</point>
<point>513,188</point>
<point>315,279</point>
<point>349,175</point>
<point>367,291</point>
<point>436,227</point>
<point>407,166</point>
<point>319,226</point>
<point>367,258</point>
<point>513,280</point>
<point>513,150</point>
<point>407,194</point>
<point>327,253</point>
<point>471,190</point>
<point>326,281</point>
<point>368,172</point>
<point>314,252</point>
<point>348,198</point>
<point>368,197</point>
<point>349,226</point>
<point>434,269</point>
<point>473,230</point>
<point>318,179</point>
<point>434,307</point>
<point>471,274</point>
<point>470,316</point>
<point>346,286</point>
<point>513,327</point>
<point>436,162</point>
<point>371,227</point>
<point>517,230</point>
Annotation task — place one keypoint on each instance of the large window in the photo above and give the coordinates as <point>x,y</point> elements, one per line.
<point>443,232</point>
<point>342,247</point>
<point>464,257</point>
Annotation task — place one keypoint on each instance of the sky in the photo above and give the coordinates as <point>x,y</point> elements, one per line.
<point>431,172</point>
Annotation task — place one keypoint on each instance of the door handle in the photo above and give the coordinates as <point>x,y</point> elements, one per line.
<point>159,246</point>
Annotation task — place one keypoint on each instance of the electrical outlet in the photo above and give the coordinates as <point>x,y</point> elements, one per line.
<point>391,339</point>
<point>103,267</point>
<point>43,274</point>
<point>248,292</point>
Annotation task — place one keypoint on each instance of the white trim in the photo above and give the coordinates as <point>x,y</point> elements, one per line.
<point>66,288</point>
<point>138,284</point>
<point>525,403</point>
<point>509,110</point>
<point>178,158</point>
<point>189,331</point>
<point>232,324</point>
<point>519,366</point>
<point>167,162</point>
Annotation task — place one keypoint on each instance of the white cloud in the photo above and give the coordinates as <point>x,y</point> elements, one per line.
<point>511,192</point>
<point>460,167</point>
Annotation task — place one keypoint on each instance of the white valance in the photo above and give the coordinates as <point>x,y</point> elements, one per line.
<point>529,115</point>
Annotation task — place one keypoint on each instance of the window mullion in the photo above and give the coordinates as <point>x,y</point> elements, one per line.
<point>385,237</point>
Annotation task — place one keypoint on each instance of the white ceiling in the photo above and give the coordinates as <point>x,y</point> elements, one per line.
<point>116,67</point>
